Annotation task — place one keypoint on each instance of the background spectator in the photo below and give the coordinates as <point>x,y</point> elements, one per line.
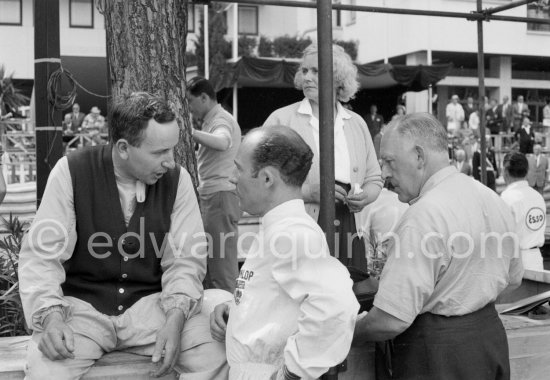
<point>507,115</point>
<point>400,110</point>
<point>538,168</point>
<point>526,137</point>
<point>75,119</point>
<point>469,108</point>
<point>461,163</point>
<point>455,115</point>
<point>374,120</point>
<point>519,110</point>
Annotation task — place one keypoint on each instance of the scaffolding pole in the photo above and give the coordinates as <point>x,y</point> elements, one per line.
<point>326,119</point>
<point>473,16</point>
<point>505,7</point>
<point>481,81</point>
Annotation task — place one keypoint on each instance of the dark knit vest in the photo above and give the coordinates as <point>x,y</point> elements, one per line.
<point>112,265</point>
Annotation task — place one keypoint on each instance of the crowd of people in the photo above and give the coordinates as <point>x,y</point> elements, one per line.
<point>128,251</point>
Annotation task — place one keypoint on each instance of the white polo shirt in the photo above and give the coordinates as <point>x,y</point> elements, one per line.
<point>529,209</point>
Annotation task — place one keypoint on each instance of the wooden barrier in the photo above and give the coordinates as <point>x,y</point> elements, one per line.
<point>113,366</point>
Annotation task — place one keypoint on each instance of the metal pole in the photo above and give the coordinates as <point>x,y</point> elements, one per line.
<point>429,58</point>
<point>49,147</point>
<point>326,118</point>
<point>481,77</point>
<point>206,43</point>
<point>235,55</point>
<point>414,12</point>
<point>504,7</point>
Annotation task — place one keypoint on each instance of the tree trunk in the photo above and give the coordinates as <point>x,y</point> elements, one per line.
<point>146,43</point>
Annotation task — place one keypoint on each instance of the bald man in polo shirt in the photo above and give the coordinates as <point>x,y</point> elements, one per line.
<point>453,253</point>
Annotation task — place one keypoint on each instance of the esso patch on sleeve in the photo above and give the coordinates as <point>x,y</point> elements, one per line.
<point>535,218</point>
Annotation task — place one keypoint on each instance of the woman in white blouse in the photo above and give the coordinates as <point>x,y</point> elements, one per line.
<point>357,172</point>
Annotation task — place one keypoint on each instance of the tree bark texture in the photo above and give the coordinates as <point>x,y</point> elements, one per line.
<point>145,50</point>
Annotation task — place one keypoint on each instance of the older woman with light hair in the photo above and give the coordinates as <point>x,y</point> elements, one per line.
<point>357,173</point>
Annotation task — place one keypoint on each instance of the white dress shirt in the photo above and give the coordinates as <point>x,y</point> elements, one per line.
<point>341,155</point>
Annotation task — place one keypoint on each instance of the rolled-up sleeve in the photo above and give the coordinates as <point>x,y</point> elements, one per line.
<point>184,258</point>
<point>328,310</point>
<point>49,242</point>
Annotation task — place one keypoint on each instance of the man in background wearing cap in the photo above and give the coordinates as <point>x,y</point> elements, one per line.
<point>93,124</point>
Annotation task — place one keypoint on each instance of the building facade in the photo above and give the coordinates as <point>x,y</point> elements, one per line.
<point>517,55</point>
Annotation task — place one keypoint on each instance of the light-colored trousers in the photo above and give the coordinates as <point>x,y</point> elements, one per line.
<point>95,334</point>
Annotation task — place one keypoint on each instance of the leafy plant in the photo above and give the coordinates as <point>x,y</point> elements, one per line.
<point>265,47</point>
<point>12,320</point>
<point>9,95</point>
<point>219,48</point>
<point>349,47</point>
<point>247,46</point>
<point>290,47</point>
<point>190,59</point>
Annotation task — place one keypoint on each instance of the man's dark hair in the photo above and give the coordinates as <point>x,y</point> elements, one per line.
<point>129,115</point>
<point>199,85</point>
<point>516,164</point>
<point>284,149</point>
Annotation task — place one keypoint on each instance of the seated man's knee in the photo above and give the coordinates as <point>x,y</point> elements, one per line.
<point>39,367</point>
<point>206,357</point>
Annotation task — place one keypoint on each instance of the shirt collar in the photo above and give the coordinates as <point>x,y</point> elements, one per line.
<point>135,185</point>
<point>517,185</point>
<point>210,114</point>
<point>281,211</point>
<point>435,180</point>
<point>305,109</point>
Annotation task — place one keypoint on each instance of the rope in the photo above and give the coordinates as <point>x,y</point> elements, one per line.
<point>61,101</point>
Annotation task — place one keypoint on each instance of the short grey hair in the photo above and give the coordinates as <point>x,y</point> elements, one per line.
<point>344,73</point>
<point>424,129</point>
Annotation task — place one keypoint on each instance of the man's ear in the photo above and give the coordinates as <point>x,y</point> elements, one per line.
<point>421,156</point>
<point>121,147</point>
<point>268,175</point>
<point>204,98</point>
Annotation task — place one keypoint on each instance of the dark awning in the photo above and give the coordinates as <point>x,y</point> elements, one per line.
<point>258,72</point>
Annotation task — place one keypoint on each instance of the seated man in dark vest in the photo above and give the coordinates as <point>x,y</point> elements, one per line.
<point>115,258</point>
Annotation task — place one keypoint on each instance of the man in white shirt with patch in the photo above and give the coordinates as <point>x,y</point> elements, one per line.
<point>528,207</point>
<point>294,309</point>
